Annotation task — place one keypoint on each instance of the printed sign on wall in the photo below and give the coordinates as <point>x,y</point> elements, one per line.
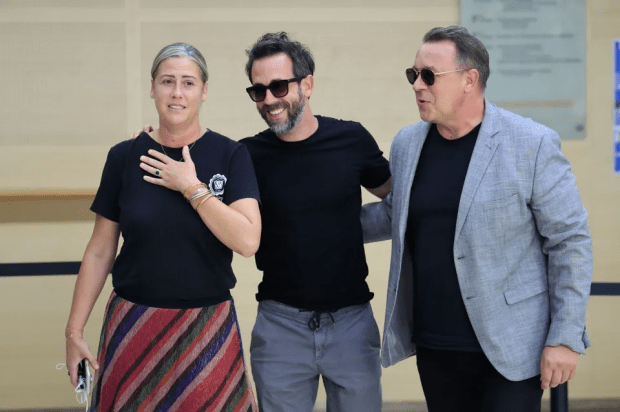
<point>537,53</point>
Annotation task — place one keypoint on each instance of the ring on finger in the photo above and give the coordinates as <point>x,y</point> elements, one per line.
<point>157,172</point>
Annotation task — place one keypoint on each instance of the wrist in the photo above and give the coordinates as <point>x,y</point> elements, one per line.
<point>73,333</point>
<point>208,196</point>
<point>191,188</point>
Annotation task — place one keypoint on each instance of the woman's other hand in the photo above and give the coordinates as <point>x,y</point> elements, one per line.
<point>77,349</point>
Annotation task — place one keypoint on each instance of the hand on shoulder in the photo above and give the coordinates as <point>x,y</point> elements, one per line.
<point>147,129</point>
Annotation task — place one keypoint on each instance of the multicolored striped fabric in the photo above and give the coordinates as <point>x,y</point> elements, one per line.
<point>155,360</point>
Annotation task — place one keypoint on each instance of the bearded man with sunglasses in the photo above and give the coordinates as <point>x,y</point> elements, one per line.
<point>314,317</point>
<point>491,255</point>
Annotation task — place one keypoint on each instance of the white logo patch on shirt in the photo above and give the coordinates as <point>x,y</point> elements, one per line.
<point>217,184</point>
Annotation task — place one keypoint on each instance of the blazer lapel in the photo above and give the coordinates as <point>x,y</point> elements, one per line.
<point>486,143</point>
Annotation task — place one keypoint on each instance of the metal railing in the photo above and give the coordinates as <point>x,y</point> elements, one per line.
<point>559,398</point>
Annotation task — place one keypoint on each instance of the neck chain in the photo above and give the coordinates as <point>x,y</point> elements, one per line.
<point>181,159</point>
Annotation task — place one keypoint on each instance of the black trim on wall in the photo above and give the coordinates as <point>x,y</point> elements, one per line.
<point>605,289</point>
<point>72,268</point>
<point>39,269</point>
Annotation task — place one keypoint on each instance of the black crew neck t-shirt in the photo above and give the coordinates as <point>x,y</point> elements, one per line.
<point>440,318</point>
<point>312,250</point>
<point>169,258</point>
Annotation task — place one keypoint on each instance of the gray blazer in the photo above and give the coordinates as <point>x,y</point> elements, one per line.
<point>522,247</point>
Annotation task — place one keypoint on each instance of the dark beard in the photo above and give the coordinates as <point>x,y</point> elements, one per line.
<point>294,115</point>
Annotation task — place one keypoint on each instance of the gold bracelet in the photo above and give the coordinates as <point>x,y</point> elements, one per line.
<point>198,195</point>
<point>194,196</point>
<point>209,196</point>
<point>191,187</point>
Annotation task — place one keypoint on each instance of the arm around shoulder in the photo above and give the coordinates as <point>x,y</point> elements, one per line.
<point>382,191</point>
<point>376,220</point>
<point>376,217</point>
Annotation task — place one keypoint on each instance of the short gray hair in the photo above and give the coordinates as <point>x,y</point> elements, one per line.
<point>470,52</point>
<point>181,50</point>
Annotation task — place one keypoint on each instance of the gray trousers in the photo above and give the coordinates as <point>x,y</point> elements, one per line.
<point>287,357</point>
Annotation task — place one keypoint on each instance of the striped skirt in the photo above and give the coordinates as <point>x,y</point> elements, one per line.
<point>185,360</point>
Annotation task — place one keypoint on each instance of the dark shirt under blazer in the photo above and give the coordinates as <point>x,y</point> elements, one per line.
<point>522,247</point>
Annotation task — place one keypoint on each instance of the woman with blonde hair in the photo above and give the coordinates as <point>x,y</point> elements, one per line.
<point>183,197</point>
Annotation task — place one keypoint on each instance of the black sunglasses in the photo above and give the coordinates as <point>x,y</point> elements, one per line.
<point>428,76</point>
<point>278,88</point>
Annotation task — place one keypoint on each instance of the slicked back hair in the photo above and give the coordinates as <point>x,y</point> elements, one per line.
<point>273,43</point>
<point>181,50</point>
<point>470,52</point>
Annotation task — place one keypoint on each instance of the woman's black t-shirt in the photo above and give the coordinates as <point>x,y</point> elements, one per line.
<point>169,258</point>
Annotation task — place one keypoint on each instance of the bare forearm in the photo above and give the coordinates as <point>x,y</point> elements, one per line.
<point>88,286</point>
<point>239,232</point>
<point>98,260</point>
<point>90,281</point>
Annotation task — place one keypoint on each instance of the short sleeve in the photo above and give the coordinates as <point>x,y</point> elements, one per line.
<point>376,168</point>
<point>106,200</point>
<point>241,182</point>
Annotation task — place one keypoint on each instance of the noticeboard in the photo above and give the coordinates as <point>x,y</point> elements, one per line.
<point>537,58</point>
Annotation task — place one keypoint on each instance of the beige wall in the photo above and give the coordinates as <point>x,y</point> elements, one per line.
<point>75,81</point>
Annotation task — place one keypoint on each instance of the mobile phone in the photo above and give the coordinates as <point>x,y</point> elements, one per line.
<point>83,375</point>
<point>84,384</point>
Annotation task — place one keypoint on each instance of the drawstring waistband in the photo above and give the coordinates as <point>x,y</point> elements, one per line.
<point>311,317</point>
<point>315,320</point>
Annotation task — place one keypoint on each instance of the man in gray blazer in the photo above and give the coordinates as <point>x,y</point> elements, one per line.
<point>491,253</point>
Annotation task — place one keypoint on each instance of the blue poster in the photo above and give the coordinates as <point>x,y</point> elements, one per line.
<point>617,151</point>
<point>617,71</point>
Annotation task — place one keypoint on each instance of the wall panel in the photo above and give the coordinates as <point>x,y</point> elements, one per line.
<point>68,85</point>
<point>80,4</point>
<point>76,79</point>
